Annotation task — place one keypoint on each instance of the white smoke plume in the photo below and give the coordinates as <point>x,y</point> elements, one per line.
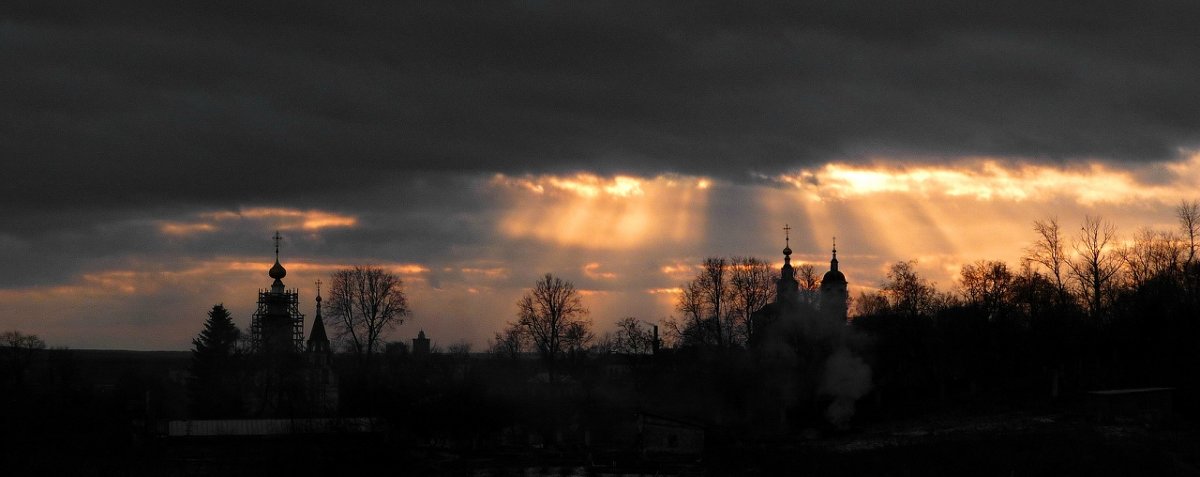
<point>846,378</point>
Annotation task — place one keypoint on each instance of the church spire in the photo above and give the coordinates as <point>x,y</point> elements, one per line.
<point>786,288</point>
<point>787,247</point>
<point>833,263</point>
<point>318,341</point>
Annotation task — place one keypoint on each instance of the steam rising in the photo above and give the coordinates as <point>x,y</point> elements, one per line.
<point>824,351</point>
<point>846,378</point>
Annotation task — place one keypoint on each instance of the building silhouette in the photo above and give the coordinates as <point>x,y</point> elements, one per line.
<point>322,383</point>
<point>831,304</point>
<point>835,294</point>
<point>318,341</point>
<point>420,344</point>
<point>277,327</point>
<point>291,377</point>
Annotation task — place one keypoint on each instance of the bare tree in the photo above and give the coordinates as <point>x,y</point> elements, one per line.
<point>1049,251</point>
<point>552,316</point>
<point>1033,292</point>
<point>907,293</point>
<point>632,338</point>
<point>1151,254</point>
<point>1189,225</point>
<point>872,303</point>
<point>578,337</point>
<point>810,283</point>
<point>1095,266</point>
<point>714,288</point>
<point>751,288</point>
<point>16,354</point>
<point>692,305</point>
<point>509,343</point>
<point>674,333</point>
<point>364,303</point>
<point>460,349</point>
<point>987,284</point>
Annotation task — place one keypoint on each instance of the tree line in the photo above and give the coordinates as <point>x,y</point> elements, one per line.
<point>1080,310</point>
<point>1084,310</point>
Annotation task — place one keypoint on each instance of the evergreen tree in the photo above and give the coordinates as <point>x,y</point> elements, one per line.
<point>215,373</point>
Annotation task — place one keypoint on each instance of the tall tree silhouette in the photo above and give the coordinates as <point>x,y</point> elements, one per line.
<point>751,287</point>
<point>718,303</point>
<point>714,288</point>
<point>987,284</point>
<point>213,385</point>
<point>1096,265</point>
<point>1049,251</point>
<point>1188,213</point>
<point>364,303</point>
<point>693,331</point>
<point>810,283</point>
<point>552,315</point>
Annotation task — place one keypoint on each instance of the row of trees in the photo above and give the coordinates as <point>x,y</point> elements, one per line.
<point>1091,269</point>
<point>1084,310</point>
<point>17,352</point>
<point>1061,280</point>
<point>1081,311</point>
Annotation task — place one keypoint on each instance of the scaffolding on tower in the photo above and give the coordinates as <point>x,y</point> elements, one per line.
<point>270,305</point>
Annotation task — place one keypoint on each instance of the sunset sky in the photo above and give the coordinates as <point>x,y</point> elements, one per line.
<point>148,151</point>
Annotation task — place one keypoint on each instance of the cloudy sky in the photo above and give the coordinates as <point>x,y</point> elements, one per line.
<point>149,151</point>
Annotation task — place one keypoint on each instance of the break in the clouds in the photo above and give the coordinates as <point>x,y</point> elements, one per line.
<point>148,150</point>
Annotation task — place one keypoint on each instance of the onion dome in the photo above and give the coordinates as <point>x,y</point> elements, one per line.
<point>787,244</point>
<point>277,271</point>
<point>834,275</point>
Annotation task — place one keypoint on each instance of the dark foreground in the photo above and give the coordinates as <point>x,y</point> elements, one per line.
<point>1000,444</point>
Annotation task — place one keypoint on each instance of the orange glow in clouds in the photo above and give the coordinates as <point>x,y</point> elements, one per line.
<point>943,215</point>
<point>278,218</point>
<point>989,179</point>
<point>616,213</point>
<point>947,215</point>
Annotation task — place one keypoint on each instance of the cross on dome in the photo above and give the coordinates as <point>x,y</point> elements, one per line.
<point>787,241</point>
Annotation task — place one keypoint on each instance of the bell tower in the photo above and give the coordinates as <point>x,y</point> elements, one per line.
<point>278,325</point>
<point>835,295</point>
<point>787,289</point>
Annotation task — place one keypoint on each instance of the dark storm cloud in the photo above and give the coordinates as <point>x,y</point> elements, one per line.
<point>225,103</point>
